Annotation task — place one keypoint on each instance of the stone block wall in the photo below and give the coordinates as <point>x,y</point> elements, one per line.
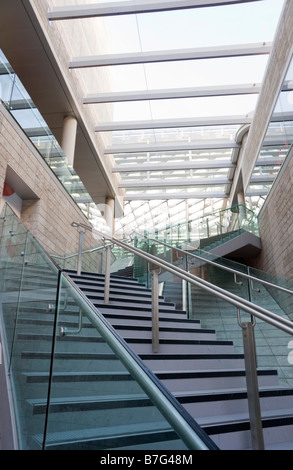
<point>276,228</point>
<point>49,213</point>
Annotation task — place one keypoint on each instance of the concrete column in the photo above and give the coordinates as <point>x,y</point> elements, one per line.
<point>109,213</point>
<point>69,137</point>
<point>242,207</point>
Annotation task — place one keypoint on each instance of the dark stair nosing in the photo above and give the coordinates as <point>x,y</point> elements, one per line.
<point>179,341</point>
<point>89,403</point>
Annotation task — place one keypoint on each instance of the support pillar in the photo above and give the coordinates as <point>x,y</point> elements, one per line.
<point>110,212</point>
<point>242,206</point>
<point>69,137</point>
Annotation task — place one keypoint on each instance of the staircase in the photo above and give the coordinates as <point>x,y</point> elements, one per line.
<point>96,404</point>
<point>204,373</point>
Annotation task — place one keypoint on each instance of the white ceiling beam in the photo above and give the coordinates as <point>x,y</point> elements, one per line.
<point>172,123</point>
<point>212,144</point>
<point>173,166</point>
<point>132,7</point>
<point>194,92</point>
<point>162,183</point>
<point>161,196</point>
<point>134,58</point>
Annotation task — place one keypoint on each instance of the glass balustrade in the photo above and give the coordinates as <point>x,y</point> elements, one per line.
<point>273,344</point>
<point>75,383</point>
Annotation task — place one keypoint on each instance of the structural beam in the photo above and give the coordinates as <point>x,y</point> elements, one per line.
<point>162,183</point>
<point>132,7</point>
<point>173,166</point>
<point>196,92</point>
<point>220,144</point>
<point>134,58</point>
<point>172,123</point>
<point>162,196</point>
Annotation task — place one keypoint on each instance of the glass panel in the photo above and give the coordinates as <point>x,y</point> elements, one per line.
<point>28,297</point>
<point>96,401</point>
<point>96,394</point>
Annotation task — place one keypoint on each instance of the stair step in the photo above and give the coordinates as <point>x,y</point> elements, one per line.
<point>126,308</point>
<point>118,292</point>
<point>175,381</point>
<point>120,437</point>
<point>235,434</point>
<point>96,297</point>
<point>143,345</point>
<point>114,285</point>
<point>164,333</point>
<point>101,277</point>
<point>195,381</point>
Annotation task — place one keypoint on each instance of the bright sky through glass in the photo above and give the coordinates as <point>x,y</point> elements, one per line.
<point>239,24</point>
<point>253,22</point>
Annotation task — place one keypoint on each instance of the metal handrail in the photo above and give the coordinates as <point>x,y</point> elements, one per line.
<point>90,250</point>
<point>247,327</point>
<point>238,302</point>
<point>226,268</point>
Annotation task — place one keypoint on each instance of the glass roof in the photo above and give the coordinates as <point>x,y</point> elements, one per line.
<point>169,92</point>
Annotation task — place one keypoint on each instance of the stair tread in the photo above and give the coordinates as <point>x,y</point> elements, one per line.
<point>228,419</point>
<point>102,432</point>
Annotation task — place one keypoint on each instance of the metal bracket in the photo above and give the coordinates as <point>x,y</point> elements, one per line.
<point>253,288</point>
<point>240,283</point>
<point>63,331</point>
<point>253,321</point>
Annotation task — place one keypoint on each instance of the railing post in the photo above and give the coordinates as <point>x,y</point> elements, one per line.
<point>79,259</point>
<point>252,386</point>
<point>155,310</point>
<point>107,274</point>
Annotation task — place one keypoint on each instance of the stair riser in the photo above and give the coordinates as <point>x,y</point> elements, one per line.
<point>183,349</point>
<point>200,364</point>
<point>215,383</point>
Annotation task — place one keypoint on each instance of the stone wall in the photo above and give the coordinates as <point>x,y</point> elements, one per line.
<point>275,224</point>
<point>49,212</point>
